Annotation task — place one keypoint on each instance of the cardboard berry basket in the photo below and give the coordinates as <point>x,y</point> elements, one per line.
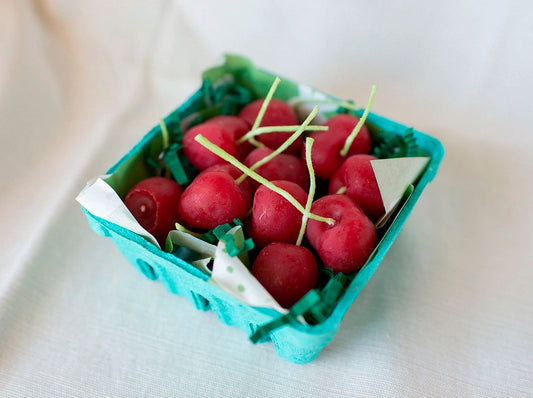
<point>301,332</point>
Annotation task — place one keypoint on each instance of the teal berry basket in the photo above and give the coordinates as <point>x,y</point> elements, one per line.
<point>225,88</point>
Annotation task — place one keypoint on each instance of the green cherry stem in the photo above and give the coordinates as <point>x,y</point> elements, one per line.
<point>164,133</point>
<point>165,137</point>
<point>341,190</point>
<point>283,146</point>
<point>312,186</point>
<point>181,228</point>
<point>276,129</point>
<point>341,104</point>
<point>260,179</point>
<point>263,109</point>
<point>355,131</point>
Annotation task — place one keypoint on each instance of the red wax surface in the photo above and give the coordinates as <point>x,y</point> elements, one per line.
<point>238,127</point>
<point>235,173</point>
<point>286,271</point>
<point>154,204</point>
<point>325,155</point>
<point>201,157</point>
<point>274,218</point>
<point>357,175</point>
<point>346,245</point>
<point>278,113</point>
<point>213,198</point>
<point>282,167</point>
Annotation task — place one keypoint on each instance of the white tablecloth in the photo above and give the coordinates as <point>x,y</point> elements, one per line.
<point>448,313</point>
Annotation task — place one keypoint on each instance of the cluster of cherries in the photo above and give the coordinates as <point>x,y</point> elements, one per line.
<point>339,227</point>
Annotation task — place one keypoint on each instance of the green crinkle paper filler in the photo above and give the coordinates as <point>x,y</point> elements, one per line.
<point>301,307</point>
<point>173,124</point>
<point>253,79</point>
<point>387,145</point>
<point>216,233</point>
<point>150,161</point>
<point>228,98</point>
<point>172,156</point>
<point>330,295</point>
<point>231,247</point>
<point>316,306</point>
<point>221,233</point>
<point>175,163</point>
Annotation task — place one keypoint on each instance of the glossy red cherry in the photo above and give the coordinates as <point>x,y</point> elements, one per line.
<point>274,218</point>
<point>346,245</point>
<point>357,176</point>
<point>286,271</point>
<point>199,156</point>
<point>326,153</point>
<point>278,113</point>
<point>154,204</point>
<point>213,198</point>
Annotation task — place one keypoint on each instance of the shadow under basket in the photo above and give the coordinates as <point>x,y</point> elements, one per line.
<point>225,89</point>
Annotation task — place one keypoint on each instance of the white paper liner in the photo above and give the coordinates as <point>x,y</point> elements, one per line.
<point>393,177</point>
<point>101,200</point>
<point>228,273</point>
<point>232,276</point>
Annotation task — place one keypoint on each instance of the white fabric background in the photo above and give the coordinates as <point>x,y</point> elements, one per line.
<point>448,313</point>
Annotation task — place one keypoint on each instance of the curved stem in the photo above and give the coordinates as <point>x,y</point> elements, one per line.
<point>283,146</point>
<point>260,179</point>
<point>263,109</point>
<point>165,137</point>
<point>342,104</point>
<point>312,186</point>
<point>277,129</point>
<point>341,190</point>
<point>355,131</point>
<point>164,133</point>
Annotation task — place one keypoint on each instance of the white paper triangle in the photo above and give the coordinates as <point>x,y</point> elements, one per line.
<point>394,176</point>
<point>232,276</point>
<point>101,200</point>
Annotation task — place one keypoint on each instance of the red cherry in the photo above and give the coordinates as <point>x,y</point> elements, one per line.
<point>274,219</point>
<point>357,175</point>
<point>199,156</point>
<point>326,153</point>
<point>282,167</point>
<point>343,125</point>
<point>278,113</point>
<point>154,204</point>
<point>346,245</point>
<point>239,127</point>
<point>213,198</point>
<point>286,271</point>
<point>235,173</point>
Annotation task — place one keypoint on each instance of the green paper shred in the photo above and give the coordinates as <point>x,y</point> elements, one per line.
<point>231,247</point>
<point>156,165</point>
<point>316,306</point>
<point>255,80</point>
<point>216,233</point>
<point>330,295</point>
<point>221,233</point>
<point>172,156</point>
<point>298,309</point>
<point>178,165</point>
<point>387,145</point>
<point>227,97</point>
